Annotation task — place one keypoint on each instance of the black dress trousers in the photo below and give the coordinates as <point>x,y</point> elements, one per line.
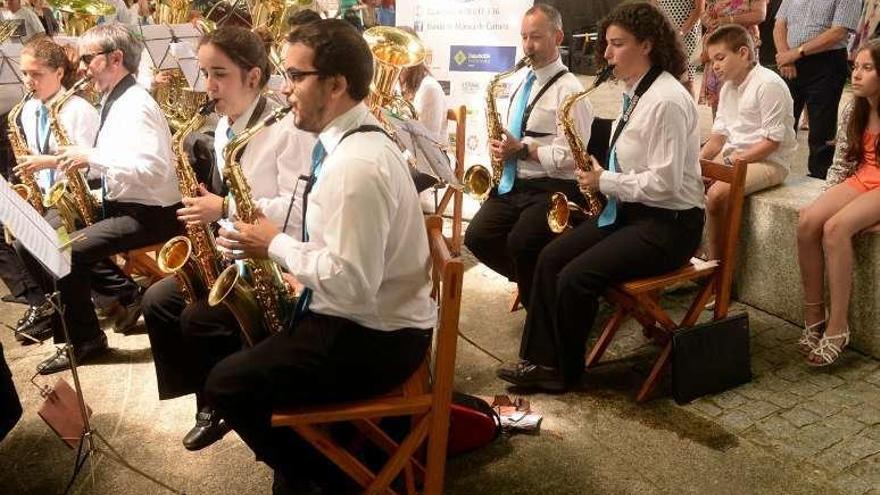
<point>574,270</point>
<point>509,231</point>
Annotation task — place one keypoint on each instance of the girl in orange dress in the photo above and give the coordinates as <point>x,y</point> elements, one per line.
<point>850,205</point>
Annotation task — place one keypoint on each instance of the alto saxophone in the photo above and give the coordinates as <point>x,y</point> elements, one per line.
<point>262,304</point>
<point>478,181</point>
<point>560,207</point>
<point>70,195</point>
<point>28,189</point>
<point>192,258</point>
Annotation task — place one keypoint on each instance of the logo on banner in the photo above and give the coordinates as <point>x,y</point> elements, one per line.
<point>481,58</point>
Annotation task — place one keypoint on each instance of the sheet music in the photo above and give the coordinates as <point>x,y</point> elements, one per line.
<point>11,87</point>
<point>33,231</point>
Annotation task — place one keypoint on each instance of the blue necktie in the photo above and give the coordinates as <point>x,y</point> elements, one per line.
<point>517,112</point>
<point>609,214</point>
<point>47,178</point>
<point>318,155</point>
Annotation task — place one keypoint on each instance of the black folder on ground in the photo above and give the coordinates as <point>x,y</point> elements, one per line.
<point>710,358</point>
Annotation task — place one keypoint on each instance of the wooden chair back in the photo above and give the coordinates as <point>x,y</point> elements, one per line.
<point>735,177</point>
<point>456,196</point>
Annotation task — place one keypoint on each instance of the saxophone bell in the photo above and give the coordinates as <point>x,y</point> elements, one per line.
<point>560,212</point>
<point>478,182</point>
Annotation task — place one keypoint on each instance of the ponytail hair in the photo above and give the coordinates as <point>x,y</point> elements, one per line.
<point>54,56</point>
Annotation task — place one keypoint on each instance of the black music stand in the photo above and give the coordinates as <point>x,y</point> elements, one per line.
<point>45,244</point>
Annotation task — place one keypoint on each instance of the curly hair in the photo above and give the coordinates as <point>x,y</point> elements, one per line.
<point>861,110</point>
<point>647,23</point>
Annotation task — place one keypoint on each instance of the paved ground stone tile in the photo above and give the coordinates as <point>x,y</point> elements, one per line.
<point>795,372</point>
<point>873,378</point>
<point>837,398</point>
<point>861,447</point>
<point>736,419</point>
<point>825,380</point>
<point>868,470</point>
<point>728,400</point>
<point>868,415</point>
<point>817,437</point>
<point>873,432</point>
<point>851,485</point>
<point>844,423</point>
<point>805,389</point>
<point>799,416</point>
<point>776,427</point>
<point>758,409</point>
<point>784,399</point>
<point>834,460</point>
<point>706,407</point>
<point>823,409</point>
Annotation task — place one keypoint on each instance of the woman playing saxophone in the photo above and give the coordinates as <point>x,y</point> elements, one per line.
<point>47,71</point>
<point>187,339</point>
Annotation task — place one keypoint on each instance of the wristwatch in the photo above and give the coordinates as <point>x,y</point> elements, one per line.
<point>523,153</point>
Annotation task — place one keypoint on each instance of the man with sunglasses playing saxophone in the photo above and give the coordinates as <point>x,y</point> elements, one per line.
<point>510,229</point>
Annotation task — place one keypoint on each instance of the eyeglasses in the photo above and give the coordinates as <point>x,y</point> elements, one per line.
<point>295,76</point>
<point>88,57</point>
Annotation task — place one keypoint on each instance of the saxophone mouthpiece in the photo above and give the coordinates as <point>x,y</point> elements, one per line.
<point>604,75</point>
<point>208,108</point>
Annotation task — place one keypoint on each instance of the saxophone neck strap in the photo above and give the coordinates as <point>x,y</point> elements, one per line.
<point>531,106</point>
<point>641,89</point>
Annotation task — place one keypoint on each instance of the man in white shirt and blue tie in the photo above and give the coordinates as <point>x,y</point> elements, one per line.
<point>364,267</point>
<point>510,229</point>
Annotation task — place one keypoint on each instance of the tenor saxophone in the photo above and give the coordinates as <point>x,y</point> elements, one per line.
<point>560,207</point>
<point>70,196</point>
<point>478,181</point>
<point>262,304</point>
<point>28,188</point>
<point>193,257</point>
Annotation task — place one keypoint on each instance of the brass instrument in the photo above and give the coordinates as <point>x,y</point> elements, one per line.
<point>393,49</point>
<point>172,11</point>
<point>262,304</point>
<point>176,99</point>
<point>478,181</point>
<point>28,189</point>
<point>192,258</point>
<point>560,207</point>
<point>8,27</point>
<point>78,16</point>
<point>71,195</point>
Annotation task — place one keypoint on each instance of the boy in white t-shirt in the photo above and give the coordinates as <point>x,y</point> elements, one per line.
<point>754,123</point>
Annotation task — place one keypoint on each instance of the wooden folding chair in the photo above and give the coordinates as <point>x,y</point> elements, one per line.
<point>459,116</point>
<point>142,261</point>
<point>640,298</point>
<point>427,403</point>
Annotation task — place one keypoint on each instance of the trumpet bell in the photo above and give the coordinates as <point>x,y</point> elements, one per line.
<point>477,182</point>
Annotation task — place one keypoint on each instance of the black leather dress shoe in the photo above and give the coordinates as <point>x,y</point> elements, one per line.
<point>527,375</point>
<point>35,333</point>
<point>83,352</point>
<point>35,315</point>
<point>127,316</point>
<point>208,429</point>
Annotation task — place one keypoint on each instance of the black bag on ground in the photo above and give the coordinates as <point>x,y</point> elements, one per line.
<point>710,358</point>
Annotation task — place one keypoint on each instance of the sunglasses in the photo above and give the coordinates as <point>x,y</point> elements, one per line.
<point>88,57</point>
<point>295,76</point>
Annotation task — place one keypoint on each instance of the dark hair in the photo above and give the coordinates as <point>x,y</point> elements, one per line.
<point>245,48</point>
<point>645,21</point>
<point>861,111</point>
<point>733,36</point>
<point>340,50</point>
<point>301,17</point>
<point>53,56</point>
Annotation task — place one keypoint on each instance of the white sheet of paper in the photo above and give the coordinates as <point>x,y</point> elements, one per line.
<point>33,231</point>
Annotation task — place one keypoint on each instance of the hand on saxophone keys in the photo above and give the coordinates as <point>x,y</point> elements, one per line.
<point>31,164</point>
<point>588,180</point>
<point>205,208</point>
<point>73,157</point>
<point>249,240</point>
<point>502,149</point>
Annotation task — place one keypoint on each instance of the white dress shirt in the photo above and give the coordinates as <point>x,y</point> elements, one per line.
<point>554,155</point>
<point>272,163</point>
<point>430,104</point>
<point>658,150</point>
<point>78,117</point>
<point>759,108</point>
<point>32,24</point>
<point>133,152</point>
<point>367,257</point>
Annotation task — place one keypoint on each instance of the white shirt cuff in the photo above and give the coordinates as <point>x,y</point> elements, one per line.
<point>281,245</point>
<point>607,183</point>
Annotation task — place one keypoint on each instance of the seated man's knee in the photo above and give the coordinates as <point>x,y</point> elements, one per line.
<point>716,198</point>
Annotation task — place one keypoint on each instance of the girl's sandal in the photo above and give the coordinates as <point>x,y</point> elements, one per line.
<point>810,337</point>
<point>828,349</point>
